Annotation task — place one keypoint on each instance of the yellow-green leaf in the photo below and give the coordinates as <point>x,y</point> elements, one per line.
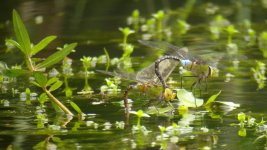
<point>42,44</point>
<point>212,98</point>
<point>55,86</point>
<point>76,107</point>
<point>56,57</point>
<point>21,34</point>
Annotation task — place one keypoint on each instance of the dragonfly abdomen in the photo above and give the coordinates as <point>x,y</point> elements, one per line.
<point>157,72</point>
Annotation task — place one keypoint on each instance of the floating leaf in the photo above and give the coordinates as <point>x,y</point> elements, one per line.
<point>55,86</point>
<point>76,107</point>
<point>187,99</point>
<point>21,34</point>
<point>42,44</point>
<point>56,57</point>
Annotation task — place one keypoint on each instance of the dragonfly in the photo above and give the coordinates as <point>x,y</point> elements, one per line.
<point>145,78</point>
<point>199,68</point>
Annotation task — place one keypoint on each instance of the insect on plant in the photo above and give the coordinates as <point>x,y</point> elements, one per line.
<point>145,78</point>
<point>199,68</point>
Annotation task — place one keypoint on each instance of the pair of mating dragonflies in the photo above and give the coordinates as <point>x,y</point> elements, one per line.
<point>158,72</point>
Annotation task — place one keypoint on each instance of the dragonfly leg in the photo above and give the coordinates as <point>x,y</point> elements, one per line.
<point>157,71</point>
<point>206,85</point>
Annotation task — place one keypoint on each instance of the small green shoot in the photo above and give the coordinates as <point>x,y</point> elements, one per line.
<point>126,32</point>
<point>183,27</point>
<point>86,65</point>
<point>159,16</point>
<point>231,31</point>
<point>108,59</point>
<point>139,115</point>
<point>134,19</point>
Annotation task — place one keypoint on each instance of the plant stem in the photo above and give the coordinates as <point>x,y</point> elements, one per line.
<point>58,103</point>
<point>29,63</point>
<point>138,122</point>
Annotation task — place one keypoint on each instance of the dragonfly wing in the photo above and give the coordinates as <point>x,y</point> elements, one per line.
<point>170,49</point>
<point>126,76</point>
<point>165,68</point>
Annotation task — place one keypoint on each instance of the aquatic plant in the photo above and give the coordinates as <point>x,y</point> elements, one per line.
<point>126,32</point>
<point>24,44</point>
<point>259,74</point>
<point>86,65</point>
<point>183,27</point>
<point>134,20</point>
<point>140,114</point>
<point>48,86</point>
<point>159,16</point>
<point>217,25</point>
<point>247,121</point>
<point>67,72</point>
<point>232,48</point>
<point>263,43</point>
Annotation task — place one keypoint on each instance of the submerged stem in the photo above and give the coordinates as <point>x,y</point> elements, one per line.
<point>58,103</point>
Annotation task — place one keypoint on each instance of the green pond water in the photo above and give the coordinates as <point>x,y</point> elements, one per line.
<point>94,26</point>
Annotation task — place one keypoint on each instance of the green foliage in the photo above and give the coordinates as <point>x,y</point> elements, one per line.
<point>53,84</point>
<point>259,74</point>
<point>41,79</point>
<point>231,31</point>
<point>42,99</point>
<point>187,99</point>
<point>23,43</point>
<point>212,99</point>
<point>263,43</point>
<point>76,107</point>
<point>108,58</point>
<point>56,57</point>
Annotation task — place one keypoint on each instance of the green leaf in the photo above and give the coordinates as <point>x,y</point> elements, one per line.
<point>40,78</point>
<point>76,107</point>
<point>51,81</point>
<point>55,86</point>
<point>15,72</point>
<point>42,98</point>
<point>56,57</point>
<point>108,59</point>
<point>21,34</point>
<point>212,98</point>
<point>42,44</point>
<point>15,43</point>
<point>187,98</point>
<point>35,83</point>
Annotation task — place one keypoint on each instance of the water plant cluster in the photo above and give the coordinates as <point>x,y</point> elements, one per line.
<point>184,107</point>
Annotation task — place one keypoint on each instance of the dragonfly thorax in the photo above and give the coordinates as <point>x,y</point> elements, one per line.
<point>198,69</point>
